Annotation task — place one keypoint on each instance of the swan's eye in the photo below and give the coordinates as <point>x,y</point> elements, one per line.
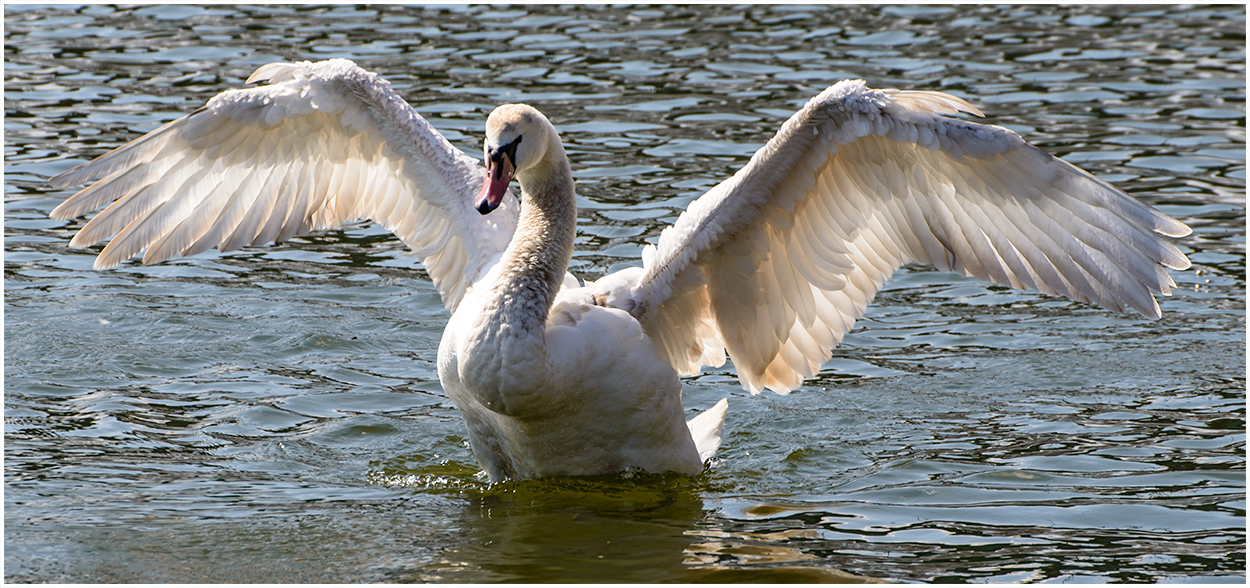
<point>508,150</point>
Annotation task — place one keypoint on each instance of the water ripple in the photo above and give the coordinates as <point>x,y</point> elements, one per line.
<point>276,414</point>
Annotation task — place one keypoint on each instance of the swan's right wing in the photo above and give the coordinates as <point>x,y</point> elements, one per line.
<point>775,264</point>
<point>323,144</point>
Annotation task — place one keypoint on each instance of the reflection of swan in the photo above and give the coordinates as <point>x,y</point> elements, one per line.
<point>772,266</point>
<point>640,527</point>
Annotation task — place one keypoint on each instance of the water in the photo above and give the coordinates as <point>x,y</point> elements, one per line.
<point>274,414</point>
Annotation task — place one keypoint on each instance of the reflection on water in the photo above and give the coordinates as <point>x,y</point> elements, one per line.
<point>581,531</point>
<point>274,414</point>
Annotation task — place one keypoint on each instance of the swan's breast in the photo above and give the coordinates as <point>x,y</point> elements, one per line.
<point>609,400</point>
<point>503,368</point>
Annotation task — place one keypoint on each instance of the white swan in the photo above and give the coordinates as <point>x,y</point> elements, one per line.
<point>771,266</point>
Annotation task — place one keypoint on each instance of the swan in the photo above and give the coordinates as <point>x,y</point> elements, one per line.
<point>769,268</point>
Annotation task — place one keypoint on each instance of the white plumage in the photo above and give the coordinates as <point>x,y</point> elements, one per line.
<point>770,268</point>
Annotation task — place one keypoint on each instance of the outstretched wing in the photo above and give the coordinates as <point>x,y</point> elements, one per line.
<point>775,264</point>
<point>321,145</point>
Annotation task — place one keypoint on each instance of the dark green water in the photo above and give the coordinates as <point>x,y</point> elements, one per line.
<point>274,414</point>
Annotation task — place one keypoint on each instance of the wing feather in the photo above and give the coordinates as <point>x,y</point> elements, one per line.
<point>322,145</point>
<point>774,265</point>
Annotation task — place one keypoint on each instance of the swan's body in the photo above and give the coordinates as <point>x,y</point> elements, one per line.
<point>771,267</point>
<point>518,368</point>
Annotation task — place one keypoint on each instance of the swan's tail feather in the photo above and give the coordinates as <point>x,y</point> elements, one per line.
<point>707,429</point>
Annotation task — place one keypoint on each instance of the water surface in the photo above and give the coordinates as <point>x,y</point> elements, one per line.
<point>274,414</point>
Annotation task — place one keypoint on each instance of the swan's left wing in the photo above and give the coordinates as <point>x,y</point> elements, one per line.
<point>775,264</point>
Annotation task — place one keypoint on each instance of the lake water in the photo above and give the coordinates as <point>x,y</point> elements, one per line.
<point>275,415</point>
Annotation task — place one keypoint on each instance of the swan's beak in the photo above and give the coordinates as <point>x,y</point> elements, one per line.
<point>499,171</point>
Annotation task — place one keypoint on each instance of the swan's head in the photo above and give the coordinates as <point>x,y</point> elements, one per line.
<point>517,137</point>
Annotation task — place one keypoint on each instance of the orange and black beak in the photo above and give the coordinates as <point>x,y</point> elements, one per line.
<point>500,167</point>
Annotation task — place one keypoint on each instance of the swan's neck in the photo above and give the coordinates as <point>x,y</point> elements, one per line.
<point>538,256</point>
